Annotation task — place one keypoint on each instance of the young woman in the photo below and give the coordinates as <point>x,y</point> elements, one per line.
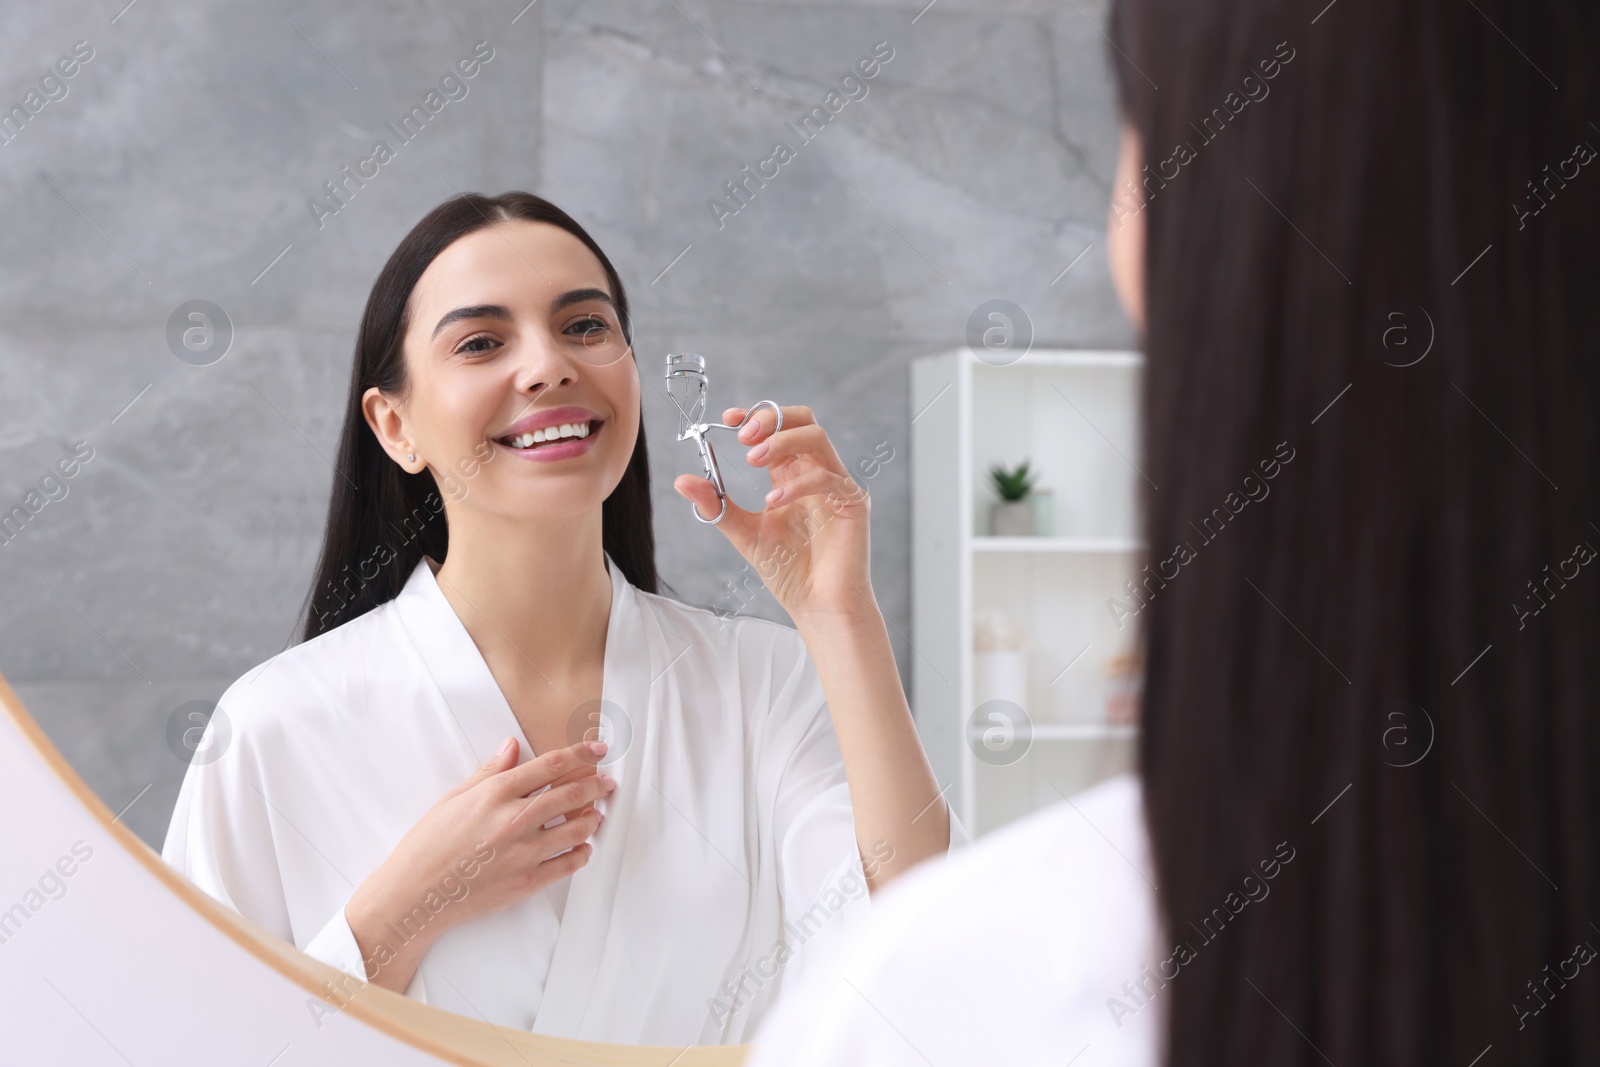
<point>411,793</point>
<point>1363,242</point>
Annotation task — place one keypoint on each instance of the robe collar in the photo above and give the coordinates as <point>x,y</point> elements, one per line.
<point>470,692</point>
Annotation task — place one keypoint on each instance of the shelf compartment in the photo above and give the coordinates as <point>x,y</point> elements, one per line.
<point>1101,545</point>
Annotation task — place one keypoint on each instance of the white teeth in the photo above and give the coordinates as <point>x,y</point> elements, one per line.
<point>550,433</point>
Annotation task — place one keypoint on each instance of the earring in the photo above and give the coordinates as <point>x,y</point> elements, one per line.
<point>411,457</point>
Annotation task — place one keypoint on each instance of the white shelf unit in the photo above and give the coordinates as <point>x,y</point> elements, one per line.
<point>1074,416</point>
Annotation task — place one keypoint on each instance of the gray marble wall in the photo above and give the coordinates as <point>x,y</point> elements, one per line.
<point>176,163</point>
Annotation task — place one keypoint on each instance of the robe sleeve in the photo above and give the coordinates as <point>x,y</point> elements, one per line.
<point>821,865</point>
<point>221,833</point>
<point>959,838</point>
<point>335,944</point>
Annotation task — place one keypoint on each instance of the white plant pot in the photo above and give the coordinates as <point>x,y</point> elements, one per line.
<point>1012,518</point>
<point>1044,512</point>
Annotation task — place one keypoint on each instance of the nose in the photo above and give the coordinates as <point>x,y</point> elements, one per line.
<point>543,365</point>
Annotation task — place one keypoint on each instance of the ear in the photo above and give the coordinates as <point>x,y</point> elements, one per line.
<point>388,425</point>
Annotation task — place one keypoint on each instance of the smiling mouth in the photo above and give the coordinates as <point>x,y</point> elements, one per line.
<point>551,435</point>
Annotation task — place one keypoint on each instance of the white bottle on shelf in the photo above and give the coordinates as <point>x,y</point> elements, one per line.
<point>1000,661</point>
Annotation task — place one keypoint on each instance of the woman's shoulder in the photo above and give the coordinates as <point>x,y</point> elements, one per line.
<point>310,680</point>
<point>1087,847</point>
<point>1040,920</point>
<point>760,670</point>
<point>1070,882</point>
<point>717,631</point>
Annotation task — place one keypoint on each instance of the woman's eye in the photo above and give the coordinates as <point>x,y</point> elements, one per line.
<point>585,327</point>
<point>474,345</point>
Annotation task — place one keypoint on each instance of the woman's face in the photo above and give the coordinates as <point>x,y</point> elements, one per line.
<point>1125,231</point>
<point>512,332</point>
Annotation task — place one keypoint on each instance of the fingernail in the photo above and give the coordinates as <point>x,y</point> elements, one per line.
<point>775,496</point>
<point>758,452</point>
<point>597,747</point>
<point>609,782</point>
<point>506,745</point>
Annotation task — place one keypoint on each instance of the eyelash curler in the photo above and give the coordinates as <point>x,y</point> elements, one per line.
<point>686,388</point>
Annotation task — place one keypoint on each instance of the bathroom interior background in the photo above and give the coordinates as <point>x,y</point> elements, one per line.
<point>181,160</point>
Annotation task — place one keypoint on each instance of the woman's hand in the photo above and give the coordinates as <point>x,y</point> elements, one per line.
<point>810,544</point>
<point>490,825</point>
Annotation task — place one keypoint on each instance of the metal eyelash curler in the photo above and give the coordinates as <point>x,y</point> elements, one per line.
<point>686,388</point>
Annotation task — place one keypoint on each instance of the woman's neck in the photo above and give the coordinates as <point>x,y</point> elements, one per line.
<point>535,597</point>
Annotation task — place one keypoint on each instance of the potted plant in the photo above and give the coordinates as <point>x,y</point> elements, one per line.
<point>1012,515</point>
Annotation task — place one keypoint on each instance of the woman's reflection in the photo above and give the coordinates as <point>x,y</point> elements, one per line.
<point>411,794</point>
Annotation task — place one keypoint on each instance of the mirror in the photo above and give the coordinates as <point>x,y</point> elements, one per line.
<point>814,200</point>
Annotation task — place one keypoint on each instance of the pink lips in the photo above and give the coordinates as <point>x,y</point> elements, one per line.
<point>539,420</point>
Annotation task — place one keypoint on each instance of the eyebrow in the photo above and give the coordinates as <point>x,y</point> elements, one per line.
<point>503,313</point>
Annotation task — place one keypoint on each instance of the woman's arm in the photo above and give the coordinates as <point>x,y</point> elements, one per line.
<point>893,794</point>
<point>811,547</point>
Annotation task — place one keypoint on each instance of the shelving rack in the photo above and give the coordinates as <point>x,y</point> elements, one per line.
<point>1074,416</point>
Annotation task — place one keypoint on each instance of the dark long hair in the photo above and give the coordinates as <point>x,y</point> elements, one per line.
<point>382,520</point>
<point>1382,659</point>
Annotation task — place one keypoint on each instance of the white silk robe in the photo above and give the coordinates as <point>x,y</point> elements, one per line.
<point>727,864</point>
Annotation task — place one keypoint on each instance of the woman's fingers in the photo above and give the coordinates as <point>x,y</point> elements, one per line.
<point>738,525</point>
<point>542,771</point>
<point>558,867</point>
<point>826,475</point>
<point>764,422</point>
<point>699,492</point>
<point>569,834</point>
<point>809,440</point>
<point>505,757</point>
<point>564,799</point>
<point>838,491</point>
<point>800,438</point>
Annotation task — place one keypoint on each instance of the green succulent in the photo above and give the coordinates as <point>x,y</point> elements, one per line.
<point>1011,485</point>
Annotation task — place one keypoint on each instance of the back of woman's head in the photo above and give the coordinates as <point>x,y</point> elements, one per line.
<point>1372,608</point>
